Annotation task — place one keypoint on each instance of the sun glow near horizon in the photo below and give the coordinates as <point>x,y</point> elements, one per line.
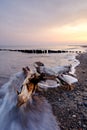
<point>66,33</point>
<point>56,34</point>
<point>69,33</point>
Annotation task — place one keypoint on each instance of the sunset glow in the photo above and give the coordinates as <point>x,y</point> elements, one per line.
<point>52,21</point>
<point>77,33</point>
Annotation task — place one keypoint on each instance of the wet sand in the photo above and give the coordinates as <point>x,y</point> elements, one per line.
<point>70,107</point>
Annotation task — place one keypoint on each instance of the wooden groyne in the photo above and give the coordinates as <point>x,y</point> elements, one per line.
<point>39,51</point>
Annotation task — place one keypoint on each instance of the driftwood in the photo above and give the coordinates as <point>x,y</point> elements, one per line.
<point>44,78</point>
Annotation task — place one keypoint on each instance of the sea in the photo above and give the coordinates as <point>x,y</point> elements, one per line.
<point>12,62</point>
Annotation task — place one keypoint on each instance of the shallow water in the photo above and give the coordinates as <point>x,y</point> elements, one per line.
<point>13,62</point>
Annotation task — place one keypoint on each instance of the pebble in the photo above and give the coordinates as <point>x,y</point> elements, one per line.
<point>68,109</point>
<point>78,93</point>
<point>74,116</point>
<point>59,99</point>
<point>80,103</point>
<point>85,104</point>
<point>83,71</point>
<point>84,98</point>
<point>84,126</point>
<point>79,122</point>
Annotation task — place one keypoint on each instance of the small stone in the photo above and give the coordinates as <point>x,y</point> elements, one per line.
<point>78,93</point>
<point>59,99</point>
<point>74,116</point>
<point>85,104</point>
<point>80,103</point>
<point>84,98</point>
<point>83,71</point>
<point>79,122</point>
<point>68,109</point>
<point>84,126</point>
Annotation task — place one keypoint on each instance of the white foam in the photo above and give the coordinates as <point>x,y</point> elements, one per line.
<point>74,63</point>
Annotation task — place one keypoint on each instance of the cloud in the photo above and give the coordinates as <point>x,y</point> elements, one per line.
<point>30,20</point>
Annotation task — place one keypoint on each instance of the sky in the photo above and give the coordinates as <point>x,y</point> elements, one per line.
<point>43,22</point>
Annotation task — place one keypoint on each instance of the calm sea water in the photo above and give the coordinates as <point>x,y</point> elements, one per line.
<point>13,62</point>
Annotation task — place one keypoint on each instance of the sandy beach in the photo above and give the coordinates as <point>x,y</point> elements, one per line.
<point>70,107</point>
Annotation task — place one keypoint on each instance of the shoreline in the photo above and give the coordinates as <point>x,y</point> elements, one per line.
<point>70,107</point>
<point>75,63</point>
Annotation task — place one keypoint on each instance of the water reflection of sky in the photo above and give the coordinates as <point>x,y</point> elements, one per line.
<point>13,62</point>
